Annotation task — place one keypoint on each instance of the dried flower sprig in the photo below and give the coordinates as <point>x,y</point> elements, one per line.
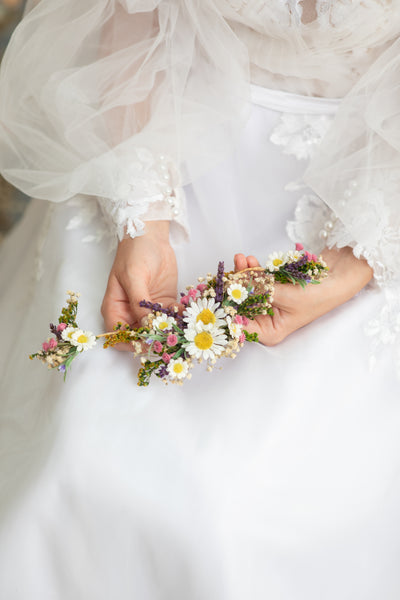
<point>69,341</point>
<point>210,323</point>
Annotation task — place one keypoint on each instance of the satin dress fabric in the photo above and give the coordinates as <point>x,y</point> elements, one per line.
<point>274,476</point>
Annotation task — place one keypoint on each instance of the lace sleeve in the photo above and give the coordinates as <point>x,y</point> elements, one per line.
<point>357,169</point>
<point>113,98</point>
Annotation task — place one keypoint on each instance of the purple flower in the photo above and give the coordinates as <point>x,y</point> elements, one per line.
<point>163,371</point>
<point>156,307</point>
<point>295,269</point>
<point>219,284</point>
<point>62,368</point>
<point>57,332</point>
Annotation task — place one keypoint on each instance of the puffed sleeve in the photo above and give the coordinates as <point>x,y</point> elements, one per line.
<point>357,170</point>
<point>114,98</point>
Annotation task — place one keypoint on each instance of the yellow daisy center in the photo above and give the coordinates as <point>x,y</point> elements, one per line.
<point>277,261</point>
<point>237,294</point>
<point>203,340</point>
<point>163,325</point>
<point>178,368</point>
<point>82,339</point>
<point>69,335</point>
<point>206,316</point>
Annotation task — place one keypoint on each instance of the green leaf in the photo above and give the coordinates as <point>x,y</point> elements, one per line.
<point>250,337</point>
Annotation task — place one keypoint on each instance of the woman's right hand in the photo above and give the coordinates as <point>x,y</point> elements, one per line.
<point>144,269</point>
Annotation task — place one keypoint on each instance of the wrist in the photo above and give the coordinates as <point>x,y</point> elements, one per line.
<point>154,229</point>
<point>159,229</point>
<point>347,274</point>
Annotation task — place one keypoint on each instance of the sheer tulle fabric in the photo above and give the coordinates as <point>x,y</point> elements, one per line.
<point>324,56</point>
<point>94,92</point>
<point>357,172</point>
<point>128,100</point>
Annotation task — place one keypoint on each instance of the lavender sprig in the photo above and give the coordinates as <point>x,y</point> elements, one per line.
<point>157,307</point>
<point>219,283</point>
<point>297,271</point>
<point>55,331</point>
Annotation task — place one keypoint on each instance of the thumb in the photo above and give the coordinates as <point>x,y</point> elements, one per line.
<point>136,291</point>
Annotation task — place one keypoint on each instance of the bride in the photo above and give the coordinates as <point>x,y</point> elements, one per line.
<point>157,137</point>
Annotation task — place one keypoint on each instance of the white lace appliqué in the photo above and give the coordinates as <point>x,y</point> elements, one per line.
<point>146,188</point>
<point>367,219</point>
<point>300,135</point>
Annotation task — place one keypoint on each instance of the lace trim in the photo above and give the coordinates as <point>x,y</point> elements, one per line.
<point>145,189</point>
<point>317,226</point>
<point>300,135</point>
<point>329,13</point>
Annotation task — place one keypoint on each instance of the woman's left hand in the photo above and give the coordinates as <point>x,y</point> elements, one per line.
<point>295,307</point>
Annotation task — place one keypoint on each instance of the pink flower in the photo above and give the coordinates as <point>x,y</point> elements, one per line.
<point>192,293</point>
<point>172,340</point>
<point>308,255</point>
<point>45,346</point>
<point>245,321</point>
<point>166,357</point>
<point>61,326</point>
<point>52,343</point>
<point>238,319</point>
<point>185,300</point>
<point>299,247</point>
<point>201,287</point>
<point>314,257</point>
<point>242,338</point>
<point>157,346</point>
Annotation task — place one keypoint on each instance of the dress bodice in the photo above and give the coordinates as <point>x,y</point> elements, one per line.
<point>313,47</point>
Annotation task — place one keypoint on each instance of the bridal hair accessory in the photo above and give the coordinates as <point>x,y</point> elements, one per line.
<point>210,323</point>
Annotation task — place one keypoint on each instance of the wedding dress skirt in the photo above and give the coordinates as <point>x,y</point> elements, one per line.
<point>275,476</point>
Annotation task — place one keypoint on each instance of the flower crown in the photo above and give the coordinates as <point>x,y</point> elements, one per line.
<point>210,323</point>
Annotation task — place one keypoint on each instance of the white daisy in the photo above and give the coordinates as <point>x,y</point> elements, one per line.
<point>68,332</point>
<point>293,256</point>
<point>235,329</point>
<point>163,322</point>
<point>275,261</point>
<point>178,368</point>
<point>237,293</point>
<point>205,311</point>
<point>205,342</point>
<point>83,340</point>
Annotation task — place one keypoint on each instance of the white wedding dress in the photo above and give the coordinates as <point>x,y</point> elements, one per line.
<point>276,476</point>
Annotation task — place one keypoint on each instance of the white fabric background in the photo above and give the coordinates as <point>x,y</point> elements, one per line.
<point>276,476</point>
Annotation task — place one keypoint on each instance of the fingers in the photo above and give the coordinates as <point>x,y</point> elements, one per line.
<point>242,262</point>
<point>252,261</point>
<point>116,309</point>
<point>136,291</point>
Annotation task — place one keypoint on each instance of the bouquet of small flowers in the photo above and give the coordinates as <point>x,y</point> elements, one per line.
<point>209,323</point>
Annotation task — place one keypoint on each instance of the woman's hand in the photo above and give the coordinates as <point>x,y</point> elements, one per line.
<point>295,307</point>
<point>144,269</point>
